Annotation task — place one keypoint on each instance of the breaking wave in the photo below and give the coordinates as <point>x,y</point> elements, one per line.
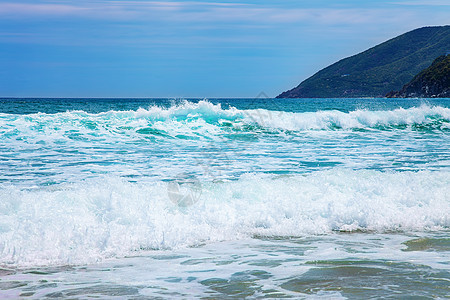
<point>204,119</point>
<point>109,217</point>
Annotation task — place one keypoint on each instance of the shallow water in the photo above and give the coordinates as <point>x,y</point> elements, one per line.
<point>148,198</point>
<point>338,265</point>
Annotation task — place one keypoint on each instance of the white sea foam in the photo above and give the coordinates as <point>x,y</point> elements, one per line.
<point>334,119</point>
<point>109,217</point>
<point>204,119</point>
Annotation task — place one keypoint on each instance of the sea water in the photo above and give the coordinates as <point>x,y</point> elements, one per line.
<point>224,198</point>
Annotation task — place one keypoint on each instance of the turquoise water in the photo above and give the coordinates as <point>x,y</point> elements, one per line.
<point>224,198</point>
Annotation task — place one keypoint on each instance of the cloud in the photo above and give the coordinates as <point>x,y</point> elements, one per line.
<point>26,9</point>
<point>423,3</point>
<point>196,12</point>
<point>104,8</point>
<point>178,22</point>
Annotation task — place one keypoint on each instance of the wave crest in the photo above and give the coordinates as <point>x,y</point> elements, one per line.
<point>204,119</point>
<point>109,217</point>
<point>411,118</point>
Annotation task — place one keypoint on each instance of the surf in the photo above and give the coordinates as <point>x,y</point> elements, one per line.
<point>97,219</point>
<point>205,120</point>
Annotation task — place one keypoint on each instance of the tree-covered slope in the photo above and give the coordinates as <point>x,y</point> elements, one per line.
<point>432,82</point>
<point>378,70</point>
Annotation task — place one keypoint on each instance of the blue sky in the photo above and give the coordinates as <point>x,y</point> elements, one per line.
<point>189,48</point>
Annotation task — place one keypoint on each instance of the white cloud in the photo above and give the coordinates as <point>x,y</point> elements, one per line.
<point>198,12</point>
<point>14,9</point>
<point>193,13</point>
<point>424,3</point>
<point>103,7</point>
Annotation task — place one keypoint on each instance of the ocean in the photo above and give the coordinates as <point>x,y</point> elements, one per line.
<point>224,198</point>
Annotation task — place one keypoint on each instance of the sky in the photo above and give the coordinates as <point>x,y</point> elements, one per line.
<point>189,49</point>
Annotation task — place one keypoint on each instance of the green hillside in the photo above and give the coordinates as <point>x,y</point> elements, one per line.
<point>379,70</point>
<point>432,82</point>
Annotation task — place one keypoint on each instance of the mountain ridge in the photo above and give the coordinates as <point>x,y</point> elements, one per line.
<point>433,82</point>
<point>377,70</point>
